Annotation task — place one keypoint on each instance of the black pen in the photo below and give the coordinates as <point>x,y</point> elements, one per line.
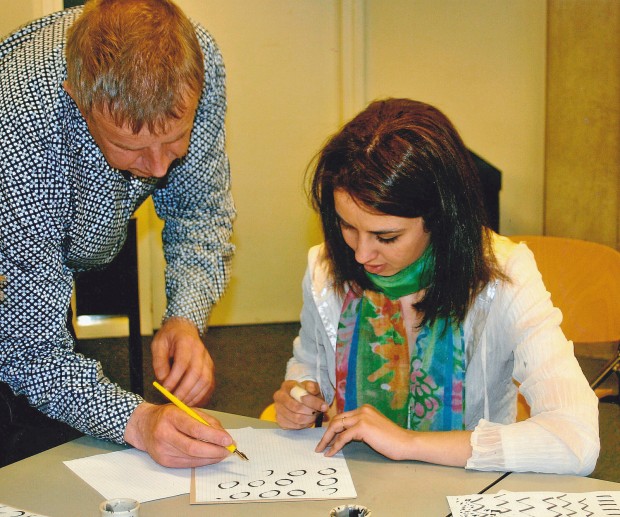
<point>297,392</point>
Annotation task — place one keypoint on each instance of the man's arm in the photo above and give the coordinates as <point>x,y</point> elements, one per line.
<point>37,357</point>
<point>36,199</point>
<point>36,351</point>
<point>197,208</point>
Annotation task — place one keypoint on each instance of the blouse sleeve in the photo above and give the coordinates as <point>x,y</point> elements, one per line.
<point>561,436</point>
<point>303,365</point>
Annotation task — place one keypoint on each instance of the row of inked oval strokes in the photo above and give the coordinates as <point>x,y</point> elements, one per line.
<point>324,482</point>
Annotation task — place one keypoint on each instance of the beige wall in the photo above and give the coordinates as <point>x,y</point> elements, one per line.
<point>282,66</point>
<point>583,121</point>
<point>15,13</point>
<point>483,64</point>
<point>297,68</point>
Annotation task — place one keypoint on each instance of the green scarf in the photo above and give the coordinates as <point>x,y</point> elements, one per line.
<point>414,277</point>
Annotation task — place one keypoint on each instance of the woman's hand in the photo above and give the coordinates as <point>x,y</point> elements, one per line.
<point>368,425</point>
<point>294,414</point>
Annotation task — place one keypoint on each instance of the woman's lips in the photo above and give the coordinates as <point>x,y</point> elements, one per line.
<point>375,270</point>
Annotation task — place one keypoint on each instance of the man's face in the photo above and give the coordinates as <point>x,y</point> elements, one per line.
<point>145,154</point>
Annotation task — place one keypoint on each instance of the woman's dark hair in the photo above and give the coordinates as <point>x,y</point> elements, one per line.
<point>404,158</point>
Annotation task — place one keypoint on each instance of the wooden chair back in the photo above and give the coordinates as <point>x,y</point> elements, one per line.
<point>584,281</point>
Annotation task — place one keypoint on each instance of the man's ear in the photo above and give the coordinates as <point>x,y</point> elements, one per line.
<point>68,88</point>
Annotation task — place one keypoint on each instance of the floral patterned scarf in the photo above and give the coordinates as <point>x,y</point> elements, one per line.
<point>420,388</point>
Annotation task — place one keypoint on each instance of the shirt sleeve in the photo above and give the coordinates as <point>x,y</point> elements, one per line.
<point>197,207</point>
<point>561,436</point>
<point>37,357</point>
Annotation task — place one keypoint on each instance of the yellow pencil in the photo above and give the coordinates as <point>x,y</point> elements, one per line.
<point>183,407</point>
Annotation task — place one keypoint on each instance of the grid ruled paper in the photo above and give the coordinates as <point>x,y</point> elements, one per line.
<point>283,467</point>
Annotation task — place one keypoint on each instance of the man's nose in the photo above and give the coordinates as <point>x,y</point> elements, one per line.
<point>158,162</point>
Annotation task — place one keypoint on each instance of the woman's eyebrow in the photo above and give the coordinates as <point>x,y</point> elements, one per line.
<point>341,220</point>
<point>375,232</point>
<point>383,232</point>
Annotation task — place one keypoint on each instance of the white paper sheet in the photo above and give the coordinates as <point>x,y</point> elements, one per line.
<point>536,504</point>
<point>131,473</point>
<point>283,467</point>
<point>9,511</point>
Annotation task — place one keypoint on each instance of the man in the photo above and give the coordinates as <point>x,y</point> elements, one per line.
<point>101,107</point>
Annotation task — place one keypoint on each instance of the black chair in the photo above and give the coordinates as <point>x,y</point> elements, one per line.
<point>114,291</point>
<point>491,183</point>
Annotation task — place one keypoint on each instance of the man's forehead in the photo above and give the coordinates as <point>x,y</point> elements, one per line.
<point>162,125</point>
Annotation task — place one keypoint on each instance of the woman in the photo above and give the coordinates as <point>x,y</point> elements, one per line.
<point>419,322</point>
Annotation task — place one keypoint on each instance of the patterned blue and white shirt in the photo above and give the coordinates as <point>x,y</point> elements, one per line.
<point>63,209</point>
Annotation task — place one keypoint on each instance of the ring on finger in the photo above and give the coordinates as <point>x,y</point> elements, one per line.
<point>344,427</point>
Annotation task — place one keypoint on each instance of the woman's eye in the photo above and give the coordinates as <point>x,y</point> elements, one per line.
<point>387,240</point>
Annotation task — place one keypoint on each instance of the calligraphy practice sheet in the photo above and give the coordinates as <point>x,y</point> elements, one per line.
<point>9,511</point>
<point>130,473</point>
<point>536,504</point>
<point>283,467</point>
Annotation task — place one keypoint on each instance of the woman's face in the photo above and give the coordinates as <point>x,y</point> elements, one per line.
<point>383,244</point>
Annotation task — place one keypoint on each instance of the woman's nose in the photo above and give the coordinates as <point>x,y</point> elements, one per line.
<point>365,250</point>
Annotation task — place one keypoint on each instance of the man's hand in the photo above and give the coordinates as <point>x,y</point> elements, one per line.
<point>181,362</point>
<point>174,439</point>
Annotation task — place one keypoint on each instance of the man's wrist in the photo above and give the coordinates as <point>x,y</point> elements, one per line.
<point>134,432</point>
<point>180,321</point>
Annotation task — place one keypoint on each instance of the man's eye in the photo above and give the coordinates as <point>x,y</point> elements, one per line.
<point>126,150</point>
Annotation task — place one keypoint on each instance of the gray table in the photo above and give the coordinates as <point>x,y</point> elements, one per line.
<point>45,485</point>
<point>516,482</point>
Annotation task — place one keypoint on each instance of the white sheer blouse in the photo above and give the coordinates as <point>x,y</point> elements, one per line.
<point>512,338</point>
